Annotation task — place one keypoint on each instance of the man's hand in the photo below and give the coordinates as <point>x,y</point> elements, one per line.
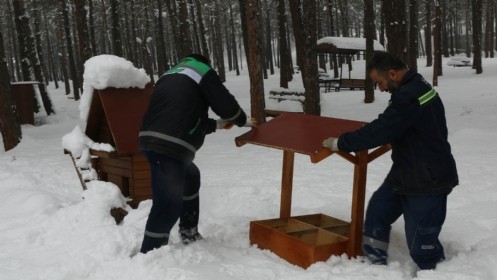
<point>222,124</point>
<point>331,143</point>
<point>251,122</point>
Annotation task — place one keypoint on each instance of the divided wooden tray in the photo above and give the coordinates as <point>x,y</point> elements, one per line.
<point>302,240</point>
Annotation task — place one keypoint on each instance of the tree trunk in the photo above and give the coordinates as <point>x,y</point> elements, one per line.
<point>63,56</point>
<point>319,21</point>
<point>282,43</point>
<point>233,42</point>
<point>394,13</point>
<point>84,46</point>
<point>184,30</point>
<point>200,20</point>
<point>254,48</point>
<point>445,33</point>
<point>429,56</point>
<point>413,34</point>
<point>269,53</point>
<point>93,40</point>
<point>468,28</point>
<point>218,45</point>
<point>489,30</point>
<point>437,44</point>
<point>477,15</point>
<point>29,54</point>
<point>9,122</point>
<point>72,63</point>
<point>53,67</point>
<point>37,35</point>
<point>369,30</point>
<point>160,42</point>
<point>304,26</point>
<point>117,43</point>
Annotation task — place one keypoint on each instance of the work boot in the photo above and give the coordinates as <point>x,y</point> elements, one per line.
<point>189,235</point>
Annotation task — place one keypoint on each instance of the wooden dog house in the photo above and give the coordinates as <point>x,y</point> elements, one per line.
<point>115,118</point>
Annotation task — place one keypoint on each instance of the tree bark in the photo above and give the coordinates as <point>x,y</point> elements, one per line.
<point>413,34</point>
<point>72,63</point>
<point>254,48</point>
<point>200,20</point>
<point>489,30</point>
<point>184,30</point>
<point>269,52</point>
<point>160,42</point>
<point>218,45</point>
<point>304,26</point>
<point>9,122</point>
<point>282,43</point>
<point>468,28</point>
<point>117,42</point>
<point>369,30</point>
<point>394,13</point>
<point>84,46</point>
<point>233,42</point>
<point>429,56</point>
<point>477,15</point>
<point>30,56</point>
<point>437,44</point>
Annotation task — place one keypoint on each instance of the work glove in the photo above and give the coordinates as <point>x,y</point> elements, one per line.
<point>251,122</point>
<point>331,143</point>
<point>222,124</point>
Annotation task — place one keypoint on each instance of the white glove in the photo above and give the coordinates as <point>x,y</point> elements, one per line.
<point>251,122</point>
<point>222,124</point>
<point>331,143</point>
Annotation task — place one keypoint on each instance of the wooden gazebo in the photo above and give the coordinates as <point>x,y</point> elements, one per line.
<point>345,47</point>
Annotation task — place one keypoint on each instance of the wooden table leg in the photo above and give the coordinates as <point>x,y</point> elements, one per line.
<point>358,197</point>
<point>286,184</point>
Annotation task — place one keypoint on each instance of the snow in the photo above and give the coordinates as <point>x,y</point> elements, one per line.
<point>51,229</point>
<point>103,71</point>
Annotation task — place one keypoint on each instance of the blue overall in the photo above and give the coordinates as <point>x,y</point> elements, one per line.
<point>175,187</point>
<point>424,216</point>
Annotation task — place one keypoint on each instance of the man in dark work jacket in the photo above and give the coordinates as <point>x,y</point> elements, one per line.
<point>423,172</point>
<point>173,129</point>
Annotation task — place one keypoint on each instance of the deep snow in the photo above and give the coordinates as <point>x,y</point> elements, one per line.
<point>51,229</point>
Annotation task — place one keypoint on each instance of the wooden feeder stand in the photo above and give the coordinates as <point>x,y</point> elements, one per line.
<point>304,240</point>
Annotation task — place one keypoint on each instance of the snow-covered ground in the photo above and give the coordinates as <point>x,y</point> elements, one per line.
<point>51,229</point>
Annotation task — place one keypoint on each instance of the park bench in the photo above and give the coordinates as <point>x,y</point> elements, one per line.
<point>280,96</point>
<point>352,84</point>
<point>328,84</point>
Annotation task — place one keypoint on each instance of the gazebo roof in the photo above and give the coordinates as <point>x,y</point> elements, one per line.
<point>345,45</point>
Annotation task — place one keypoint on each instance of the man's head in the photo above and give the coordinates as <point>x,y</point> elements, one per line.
<point>201,58</point>
<point>386,71</point>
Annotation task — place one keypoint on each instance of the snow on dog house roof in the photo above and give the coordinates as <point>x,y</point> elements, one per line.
<point>345,45</point>
<point>115,117</point>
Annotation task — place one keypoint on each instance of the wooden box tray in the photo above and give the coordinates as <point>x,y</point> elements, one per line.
<point>302,240</point>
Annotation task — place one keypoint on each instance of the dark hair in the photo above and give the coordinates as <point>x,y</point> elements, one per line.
<point>383,61</point>
<point>201,58</point>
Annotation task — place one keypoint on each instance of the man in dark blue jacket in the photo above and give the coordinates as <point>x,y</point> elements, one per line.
<point>173,129</point>
<point>423,172</point>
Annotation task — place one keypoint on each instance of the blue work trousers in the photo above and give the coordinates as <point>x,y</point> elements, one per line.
<point>424,216</point>
<point>175,194</point>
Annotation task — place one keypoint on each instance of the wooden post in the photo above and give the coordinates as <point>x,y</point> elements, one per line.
<point>286,184</point>
<point>358,197</point>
